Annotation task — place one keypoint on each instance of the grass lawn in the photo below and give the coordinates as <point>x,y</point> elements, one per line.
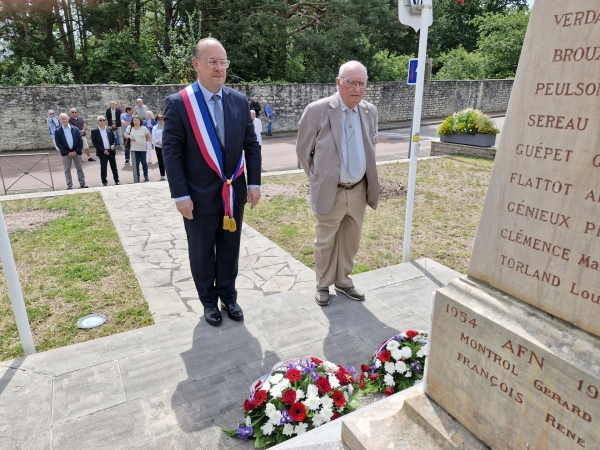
<point>73,266</point>
<point>448,202</point>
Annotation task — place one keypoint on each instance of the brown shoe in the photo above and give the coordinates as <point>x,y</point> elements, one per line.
<point>322,296</point>
<point>351,293</point>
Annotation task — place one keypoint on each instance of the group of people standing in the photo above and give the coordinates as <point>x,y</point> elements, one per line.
<point>136,130</point>
<point>213,158</point>
<point>268,112</point>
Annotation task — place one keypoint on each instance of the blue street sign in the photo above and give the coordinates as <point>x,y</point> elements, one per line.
<point>412,71</point>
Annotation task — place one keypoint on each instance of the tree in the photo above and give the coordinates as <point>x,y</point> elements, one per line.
<point>458,64</point>
<point>389,67</point>
<point>500,41</point>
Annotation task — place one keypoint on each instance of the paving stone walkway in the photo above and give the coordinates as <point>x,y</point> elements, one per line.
<point>154,238</point>
<point>173,384</point>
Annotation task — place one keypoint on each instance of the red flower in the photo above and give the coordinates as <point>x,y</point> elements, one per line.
<point>293,375</point>
<point>335,415</point>
<point>385,356</point>
<point>260,397</point>
<point>411,334</point>
<point>338,398</point>
<point>248,405</point>
<point>388,390</point>
<point>364,368</point>
<point>298,412</point>
<point>289,396</point>
<point>323,385</point>
<point>258,384</point>
<point>316,360</point>
<point>373,376</point>
<point>361,384</point>
<point>344,378</point>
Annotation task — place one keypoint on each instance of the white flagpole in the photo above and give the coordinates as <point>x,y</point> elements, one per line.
<point>14,288</point>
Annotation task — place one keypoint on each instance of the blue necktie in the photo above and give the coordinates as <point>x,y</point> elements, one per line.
<point>219,117</point>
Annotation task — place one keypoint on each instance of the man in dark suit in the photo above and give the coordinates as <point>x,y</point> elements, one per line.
<point>113,120</point>
<point>103,139</point>
<point>196,187</point>
<point>69,142</point>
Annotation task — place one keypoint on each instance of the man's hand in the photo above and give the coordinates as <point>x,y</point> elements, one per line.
<point>185,207</point>
<point>72,154</point>
<point>253,196</point>
<point>106,152</point>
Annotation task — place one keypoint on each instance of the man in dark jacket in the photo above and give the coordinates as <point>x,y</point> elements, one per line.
<point>69,142</point>
<point>113,120</point>
<point>103,139</point>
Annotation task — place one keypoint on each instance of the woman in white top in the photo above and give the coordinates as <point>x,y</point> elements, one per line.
<point>157,133</point>
<point>140,138</point>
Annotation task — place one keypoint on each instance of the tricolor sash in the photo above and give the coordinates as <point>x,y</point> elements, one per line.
<point>210,148</point>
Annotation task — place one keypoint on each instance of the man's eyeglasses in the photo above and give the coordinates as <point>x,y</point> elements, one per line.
<point>212,62</point>
<point>101,120</point>
<point>73,112</point>
<point>353,84</point>
<point>160,118</point>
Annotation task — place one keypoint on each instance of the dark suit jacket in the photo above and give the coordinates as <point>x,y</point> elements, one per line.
<point>61,140</point>
<point>97,140</point>
<point>108,116</point>
<point>187,171</point>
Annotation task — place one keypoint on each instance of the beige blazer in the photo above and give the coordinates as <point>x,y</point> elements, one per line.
<point>319,149</point>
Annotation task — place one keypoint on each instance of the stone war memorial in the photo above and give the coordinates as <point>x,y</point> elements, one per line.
<point>515,347</point>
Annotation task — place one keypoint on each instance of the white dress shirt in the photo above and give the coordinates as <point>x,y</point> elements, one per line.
<point>104,138</point>
<point>345,177</point>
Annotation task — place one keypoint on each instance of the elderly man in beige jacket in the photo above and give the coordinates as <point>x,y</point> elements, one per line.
<point>336,147</point>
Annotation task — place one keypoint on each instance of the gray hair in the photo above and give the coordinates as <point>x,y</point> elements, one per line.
<point>348,64</point>
<point>100,118</point>
<point>151,114</point>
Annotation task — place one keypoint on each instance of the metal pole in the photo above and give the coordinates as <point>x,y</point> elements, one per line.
<point>14,288</point>
<point>416,128</point>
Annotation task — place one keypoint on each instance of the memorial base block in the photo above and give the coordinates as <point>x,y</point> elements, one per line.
<point>513,375</point>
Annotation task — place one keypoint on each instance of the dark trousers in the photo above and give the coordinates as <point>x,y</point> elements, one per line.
<point>214,254</point>
<point>104,160</point>
<point>161,164</point>
<point>137,158</point>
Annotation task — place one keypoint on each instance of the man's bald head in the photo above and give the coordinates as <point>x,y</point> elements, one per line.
<point>205,43</point>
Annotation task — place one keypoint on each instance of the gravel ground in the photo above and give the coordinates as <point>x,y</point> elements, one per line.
<point>30,220</point>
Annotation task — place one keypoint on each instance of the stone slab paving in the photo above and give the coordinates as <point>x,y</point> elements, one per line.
<point>173,384</point>
<point>154,238</point>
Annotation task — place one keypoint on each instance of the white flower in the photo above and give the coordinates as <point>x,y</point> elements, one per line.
<point>389,380</point>
<point>318,419</point>
<point>312,391</point>
<point>326,401</point>
<point>420,353</point>
<point>267,428</point>
<point>275,418</point>
<point>418,382</point>
<point>329,366</point>
<point>284,384</point>
<point>389,367</point>
<point>408,374</point>
<point>265,386</point>
<point>326,413</point>
<point>406,352</point>
<point>401,367</point>
<point>396,354</point>
<point>300,428</point>
<point>350,389</point>
<point>248,421</point>
<point>346,395</point>
<point>377,363</point>
<point>393,344</point>
<point>270,409</point>
<point>312,403</point>
<point>334,382</point>
<point>300,394</point>
<point>288,429</point>
<point>275,391</point>
<point>403,334</point>
<point>276,378</point>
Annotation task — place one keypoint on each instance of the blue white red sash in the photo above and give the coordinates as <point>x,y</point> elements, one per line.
<point>211,150</point>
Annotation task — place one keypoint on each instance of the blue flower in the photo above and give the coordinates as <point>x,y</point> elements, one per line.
<point>244,432</point>
<point>285,417</point>
<point>416,366</point>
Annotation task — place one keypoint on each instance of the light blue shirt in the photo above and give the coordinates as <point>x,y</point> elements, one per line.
<point>345,176</point>
<point>211,109</point>
<point>68,136</point>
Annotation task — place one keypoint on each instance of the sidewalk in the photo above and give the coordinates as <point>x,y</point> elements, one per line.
<point>171,385</point>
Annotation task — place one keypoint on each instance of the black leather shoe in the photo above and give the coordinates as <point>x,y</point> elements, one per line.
<point>234,311</point>
<point>213,316</point>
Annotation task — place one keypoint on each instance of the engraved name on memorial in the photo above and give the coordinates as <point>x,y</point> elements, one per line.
<point>539,235</point>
